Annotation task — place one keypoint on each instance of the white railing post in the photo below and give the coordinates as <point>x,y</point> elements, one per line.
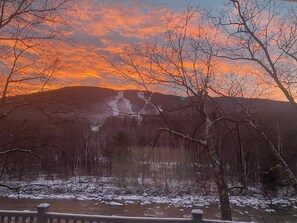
<point>197,215</point>
<point>41,211</point>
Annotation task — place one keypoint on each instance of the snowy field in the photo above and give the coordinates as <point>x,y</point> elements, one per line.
<point>106,191</point>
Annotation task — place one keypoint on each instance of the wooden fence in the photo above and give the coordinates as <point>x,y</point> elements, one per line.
<point>42,215</point>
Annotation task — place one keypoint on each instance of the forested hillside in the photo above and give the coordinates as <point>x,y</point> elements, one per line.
<point>88,131</point>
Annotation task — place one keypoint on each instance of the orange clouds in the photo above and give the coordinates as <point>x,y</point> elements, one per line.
<point>104,26</point>
<point>126,18</point>
<point>107,27</point>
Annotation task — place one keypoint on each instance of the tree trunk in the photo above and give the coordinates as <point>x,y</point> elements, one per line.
<point>218,170</point>
<point>243,169</point>
<point>221,184</point>
<point>289,174</point>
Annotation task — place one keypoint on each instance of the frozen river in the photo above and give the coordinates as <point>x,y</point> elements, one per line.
<point>287,215</point>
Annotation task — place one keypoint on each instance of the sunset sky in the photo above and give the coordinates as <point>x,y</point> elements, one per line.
<point>98,25</point>
<point>102,27</point>
<point>106,25</point>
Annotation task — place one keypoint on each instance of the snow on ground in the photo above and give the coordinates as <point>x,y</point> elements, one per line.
<point>105,191</point>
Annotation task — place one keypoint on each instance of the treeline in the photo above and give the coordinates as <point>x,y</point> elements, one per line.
<point>132,150</point>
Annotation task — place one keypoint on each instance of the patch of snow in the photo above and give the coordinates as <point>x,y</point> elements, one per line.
<point>120,105</point>
<point>95,128</point>
<point>143,111</point>
<point>113,203</point>
<point>141,95</point>
<point>269,210</point>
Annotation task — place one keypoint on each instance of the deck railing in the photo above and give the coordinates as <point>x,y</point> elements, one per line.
<point>42,215</point>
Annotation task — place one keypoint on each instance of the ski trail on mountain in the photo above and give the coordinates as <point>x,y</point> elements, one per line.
<point>120,105</point>
<point>143,110</point>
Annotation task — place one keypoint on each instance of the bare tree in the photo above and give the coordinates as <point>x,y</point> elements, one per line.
<point>174,63</point>
<point>27,28</point>
<point>262,34</point>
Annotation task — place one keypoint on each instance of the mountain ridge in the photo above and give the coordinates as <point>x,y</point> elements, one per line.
<point>96,104</point>
<point>109,123</point>
<point>82,92</point>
